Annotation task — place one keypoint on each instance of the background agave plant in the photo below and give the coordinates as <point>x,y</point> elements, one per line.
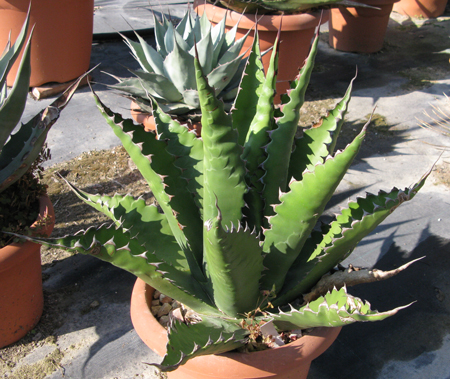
<point>21,144</point>
<point>167,74</point>
<point>237,239</point>
<point>18,151</point>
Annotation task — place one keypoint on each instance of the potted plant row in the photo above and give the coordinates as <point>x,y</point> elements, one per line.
<point>360,29</point>
<point>421,8</point>
<point>24,205</point>
<point>223,38</point>
<point>237,236</point>
<point>355,26</point>
<point>296,21</point>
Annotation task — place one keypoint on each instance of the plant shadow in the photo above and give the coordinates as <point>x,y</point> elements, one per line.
<point>362,350</point>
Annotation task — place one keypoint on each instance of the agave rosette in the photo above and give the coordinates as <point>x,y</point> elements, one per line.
<point>167,73</point>
<point>235,236</point>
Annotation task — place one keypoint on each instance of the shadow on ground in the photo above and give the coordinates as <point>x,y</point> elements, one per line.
<point>413,56</point>
<point>367,347</point>
<point>91,294</point>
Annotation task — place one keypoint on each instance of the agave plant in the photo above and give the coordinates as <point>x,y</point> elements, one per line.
<point>237,238</point>
<point>18,151</point>
<point>22,146</point>
<point>167,74</point>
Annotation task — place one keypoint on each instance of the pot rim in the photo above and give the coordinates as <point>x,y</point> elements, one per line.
<point>149,123</point>
<point>378,2</point>
<point>290,22</point>
<point>155,336</point>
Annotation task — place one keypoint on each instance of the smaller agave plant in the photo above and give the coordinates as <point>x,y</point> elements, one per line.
<point>167,74</point>
<point>19,151</point>
<point>237,236</point>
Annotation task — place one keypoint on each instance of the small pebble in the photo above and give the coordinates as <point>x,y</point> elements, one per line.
<point>176,304</point>
<point>165,299</point>
<point>164,309</point>
<point>156,294</point>
<point>95,304</point>
<point>156,309</point>
<point>155,302</point>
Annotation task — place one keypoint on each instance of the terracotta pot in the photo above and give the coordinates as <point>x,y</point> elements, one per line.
<point>296,34</point>
<point>421,8</point>
<point>360,30</point>
<point>148,120</point>
<point>21,298</point>
<point>62,39</point>
<point>289,361</point>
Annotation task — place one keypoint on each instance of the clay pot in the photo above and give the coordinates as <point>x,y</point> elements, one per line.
<point>21,297</point>
<point>296,33</point>
<point>289,361</point>
<point>148,121</point>
<point>62,39</point>
<point>421,8</point>
<point>360,30</point>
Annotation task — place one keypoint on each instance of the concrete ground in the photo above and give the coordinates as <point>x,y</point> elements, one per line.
<point>408,76</point>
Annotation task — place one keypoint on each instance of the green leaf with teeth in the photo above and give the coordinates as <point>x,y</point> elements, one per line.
<point>234,276</point>
<point>117,246</point>
<point>336,308</point>
<point>223,169</point>
<point>279,148</point>
<point>318,142</point>
<point>210,336</point>
<point>157,166</point>
<point>257,138</point>
<point>350,227</point>
<point>299,211</point>
<point>236,226</point>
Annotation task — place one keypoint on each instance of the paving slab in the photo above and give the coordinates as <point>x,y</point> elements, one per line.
<point>126,16</point>
<point>408,76</point>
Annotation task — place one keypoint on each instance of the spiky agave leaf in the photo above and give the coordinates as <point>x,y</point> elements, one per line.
<point>319,141</point>
<point>210,336</point>
<point>257,138</point>
<point>224,171</point>
<point>234,276</point>
<point>155,258</point>
<point>355,222</point>
<point>278,151</point>
<point>250,87</point>
<point>18,151</point>
<point>336,308</point>
<point>13,105</point>
<point>166,181</point>
<point>299,211</point>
